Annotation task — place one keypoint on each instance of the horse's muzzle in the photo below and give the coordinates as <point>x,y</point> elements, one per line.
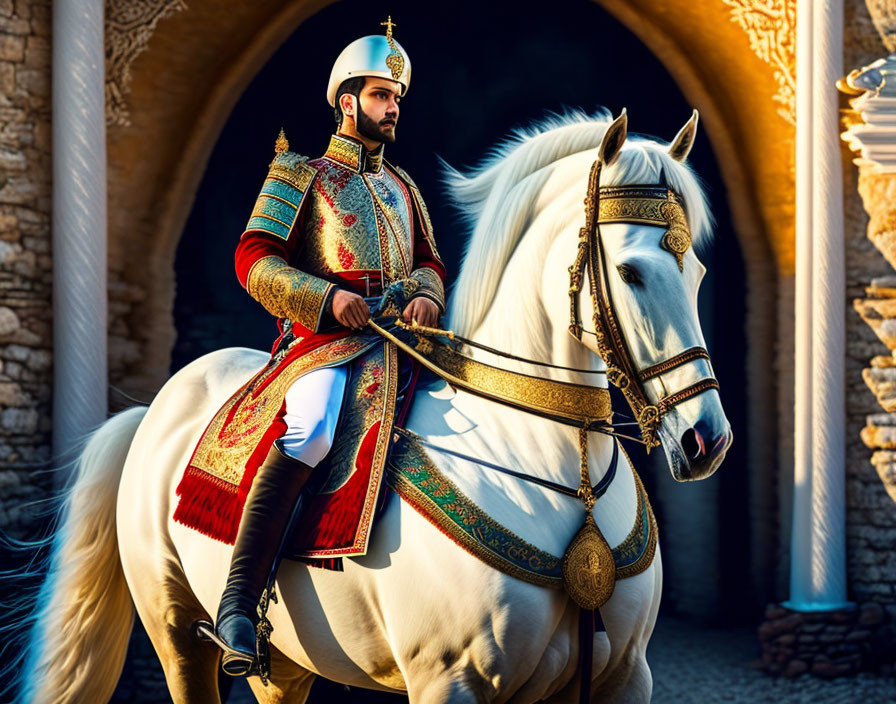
<point>704,455</point>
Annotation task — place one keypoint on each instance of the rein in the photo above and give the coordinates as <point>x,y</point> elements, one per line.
<point>579,405</point>
<point>451,335</point>
<point>598,489</point>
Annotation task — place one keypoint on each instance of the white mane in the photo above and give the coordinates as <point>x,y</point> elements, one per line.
<point>495,198</point>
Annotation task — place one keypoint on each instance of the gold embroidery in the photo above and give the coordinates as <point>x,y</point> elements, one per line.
<point>273,197</point>
<point>397,221</point>
<point>340,230</point>
<point>287,292</point>
<point>344,151</point>
<point>427,223</point>
<point>259,212</point>
<point>374,160</point>
<point>298,176</point>
<point>405,488</point>
<point>280,200</point>
<point>225,456</point>
<point>420,204</point>
<point>380,411</point>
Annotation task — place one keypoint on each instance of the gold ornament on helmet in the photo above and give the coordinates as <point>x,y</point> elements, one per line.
<point>395,61</point>
<point>377,56</point>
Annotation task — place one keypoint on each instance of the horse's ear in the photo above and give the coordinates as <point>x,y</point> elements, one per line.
<point>614,137</point>
<point>684,140</point>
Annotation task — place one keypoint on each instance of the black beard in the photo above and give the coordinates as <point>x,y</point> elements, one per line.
<point>367,127</point>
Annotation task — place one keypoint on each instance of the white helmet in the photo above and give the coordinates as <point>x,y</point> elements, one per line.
<point>376,55</point>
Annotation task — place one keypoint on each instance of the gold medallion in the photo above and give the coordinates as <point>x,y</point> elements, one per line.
<point>589,572</point>
<point>677,239</point>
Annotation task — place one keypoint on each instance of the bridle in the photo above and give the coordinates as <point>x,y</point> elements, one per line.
<point>646,205</point>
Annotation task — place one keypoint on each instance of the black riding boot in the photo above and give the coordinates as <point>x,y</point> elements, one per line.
<point>269,506</point>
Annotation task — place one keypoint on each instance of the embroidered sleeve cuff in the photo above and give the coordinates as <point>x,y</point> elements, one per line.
<point>430,286</point>
<point>288,293</point>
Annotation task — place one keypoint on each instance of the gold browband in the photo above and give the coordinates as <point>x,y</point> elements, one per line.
<point>640,204</point>
<point>646,205</point>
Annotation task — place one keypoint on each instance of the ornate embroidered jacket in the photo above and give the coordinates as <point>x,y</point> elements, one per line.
<point>348,219</point>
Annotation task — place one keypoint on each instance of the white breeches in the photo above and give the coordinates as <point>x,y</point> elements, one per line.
<point>312,410</point>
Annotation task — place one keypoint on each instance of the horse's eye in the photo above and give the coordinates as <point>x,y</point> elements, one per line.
<point>628,274</point>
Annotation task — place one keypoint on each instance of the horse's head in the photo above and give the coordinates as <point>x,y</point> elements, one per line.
<point>525,204</point>
<point>648,275</point>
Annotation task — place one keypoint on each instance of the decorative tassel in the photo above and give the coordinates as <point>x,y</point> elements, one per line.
<point>209,505</point>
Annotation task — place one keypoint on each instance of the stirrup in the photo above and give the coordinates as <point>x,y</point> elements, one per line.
<point>234,662</point>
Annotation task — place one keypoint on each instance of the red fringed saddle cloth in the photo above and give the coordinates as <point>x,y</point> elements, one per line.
<point>338,519</point>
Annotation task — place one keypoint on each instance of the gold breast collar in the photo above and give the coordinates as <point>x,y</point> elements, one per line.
<point>565,402</point>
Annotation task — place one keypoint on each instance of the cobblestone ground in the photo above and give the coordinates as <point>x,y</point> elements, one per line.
<point>692,664</point>
<point>706,665</point>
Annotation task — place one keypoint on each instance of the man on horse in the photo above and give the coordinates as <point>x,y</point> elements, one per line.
<point>326,238</point>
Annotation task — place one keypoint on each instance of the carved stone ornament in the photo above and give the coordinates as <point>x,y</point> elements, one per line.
<point>883,14</point>
<point>871,124</point>
<point>871,134</point>
<point>771,26</point>
<point>129,27</point>
<point>877,187</point>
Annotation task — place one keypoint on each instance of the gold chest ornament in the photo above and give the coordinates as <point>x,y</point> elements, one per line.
<point>589,571</point>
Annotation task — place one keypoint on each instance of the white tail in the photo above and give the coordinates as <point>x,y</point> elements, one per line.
<point>84,612</point>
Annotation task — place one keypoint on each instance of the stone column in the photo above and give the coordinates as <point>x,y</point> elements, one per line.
<point>818,544</point>
<point>79,222</point>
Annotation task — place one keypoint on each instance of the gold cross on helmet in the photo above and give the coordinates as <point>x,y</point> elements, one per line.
<point>388,24</point>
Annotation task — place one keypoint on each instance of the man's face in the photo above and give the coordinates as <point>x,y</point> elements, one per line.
<point>378,109</point>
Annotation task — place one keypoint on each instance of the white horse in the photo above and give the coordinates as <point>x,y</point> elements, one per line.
<point>417,614</point>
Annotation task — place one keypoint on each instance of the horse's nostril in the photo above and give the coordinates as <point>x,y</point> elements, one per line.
<point>692,444</point>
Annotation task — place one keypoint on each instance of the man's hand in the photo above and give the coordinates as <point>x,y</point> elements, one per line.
<point>423,310</point>
<point>350,310</point>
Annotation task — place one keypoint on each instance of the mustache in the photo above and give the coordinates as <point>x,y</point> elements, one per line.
<point>388,121</point>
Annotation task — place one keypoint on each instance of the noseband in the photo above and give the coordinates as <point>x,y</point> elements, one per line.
<point>644,205</point>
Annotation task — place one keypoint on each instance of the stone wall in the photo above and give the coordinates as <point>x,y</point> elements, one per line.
<point>870,525</point>
<point>871,528</point>
<point>25,263</point>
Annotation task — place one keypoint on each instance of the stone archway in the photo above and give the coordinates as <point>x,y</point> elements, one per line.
<point>156,163</point>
